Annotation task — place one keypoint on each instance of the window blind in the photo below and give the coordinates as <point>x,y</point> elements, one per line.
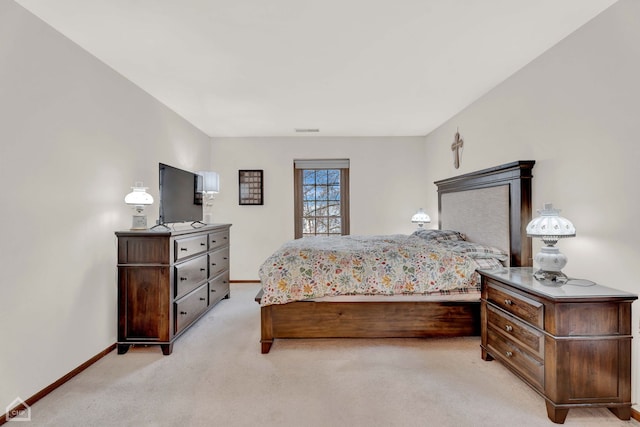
<point>321,164</point>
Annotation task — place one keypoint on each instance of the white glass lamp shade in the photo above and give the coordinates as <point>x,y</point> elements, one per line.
<point>210,182</point>
<point>420,218</point>
<point>139,198</point>
<point>550,227</point>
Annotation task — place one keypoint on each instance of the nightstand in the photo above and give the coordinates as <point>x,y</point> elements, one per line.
<point>570,343</point>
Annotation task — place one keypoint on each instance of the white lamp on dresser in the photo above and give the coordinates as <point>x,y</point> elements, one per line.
<point>139,198</point>
<point>210,187</point>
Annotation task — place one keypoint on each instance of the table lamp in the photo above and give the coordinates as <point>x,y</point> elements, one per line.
<point>550,227</point>
<point>420,218</point>
<point>139,198</point>
<point>210,187</point>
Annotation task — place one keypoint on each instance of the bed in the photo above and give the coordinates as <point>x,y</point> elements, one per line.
<point>490,207</point>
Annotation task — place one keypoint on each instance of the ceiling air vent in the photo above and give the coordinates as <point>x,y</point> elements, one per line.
<point>306,130</point>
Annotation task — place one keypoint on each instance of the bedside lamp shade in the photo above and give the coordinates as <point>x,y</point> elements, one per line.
<point>420,218</point>
<point>139,198</point>
<point>550,227</point>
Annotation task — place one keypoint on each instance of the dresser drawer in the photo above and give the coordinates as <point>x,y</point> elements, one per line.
<point>522,307</point>
<point>524,362</point>
<point>218,261</point>
<point>219,287</point>
<point>188,275</point>
<point>514,329</point>
<point>189,246</point>
<point>218,239</point>
<point>191,306</point>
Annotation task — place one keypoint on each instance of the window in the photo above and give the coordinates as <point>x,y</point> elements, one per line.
<point>321,197</point>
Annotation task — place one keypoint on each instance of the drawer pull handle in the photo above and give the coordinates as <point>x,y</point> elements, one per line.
<point>508,302</point>
<point>184,249</point>
<point>213,264</point>
<point>203,244</point>
<point>213,290</point>
<point>184,313</point>
<point>202,298</point>
<point>225,258</point>
<point>224,281</point>
<point>509,328</point>
<point>203,269</point>
<point>213,241</point>
<point>509,354</point>
<point>184,278</point>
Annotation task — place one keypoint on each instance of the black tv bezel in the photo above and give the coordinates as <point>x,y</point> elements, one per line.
<point>197,197</point>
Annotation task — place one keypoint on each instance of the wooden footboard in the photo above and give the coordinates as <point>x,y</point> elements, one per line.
<point>411,319</point>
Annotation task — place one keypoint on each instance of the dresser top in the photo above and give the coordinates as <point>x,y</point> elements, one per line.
<point>175,230</point>
<point>522,278</point>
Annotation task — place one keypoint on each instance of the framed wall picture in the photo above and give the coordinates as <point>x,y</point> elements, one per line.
<point>251,188</point>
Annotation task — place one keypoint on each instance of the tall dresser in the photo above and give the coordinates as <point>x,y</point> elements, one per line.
<point>167,280</point>
<point>571,343</point>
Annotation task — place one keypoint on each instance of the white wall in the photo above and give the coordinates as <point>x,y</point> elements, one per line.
<point>575,111</point>
<point>387,187</point>
<point>74,137</point>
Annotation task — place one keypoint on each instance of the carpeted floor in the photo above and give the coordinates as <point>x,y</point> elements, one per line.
<point>216,376</point>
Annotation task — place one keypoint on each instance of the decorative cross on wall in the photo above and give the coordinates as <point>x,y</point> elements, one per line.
<point>456,147</point>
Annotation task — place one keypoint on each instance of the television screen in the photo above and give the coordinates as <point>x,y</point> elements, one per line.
<point>180,200</point>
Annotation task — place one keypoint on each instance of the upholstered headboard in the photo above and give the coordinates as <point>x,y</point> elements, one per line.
<point>491,206</point>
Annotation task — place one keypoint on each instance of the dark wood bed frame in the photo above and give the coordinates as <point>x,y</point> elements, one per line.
<point>409,319</point>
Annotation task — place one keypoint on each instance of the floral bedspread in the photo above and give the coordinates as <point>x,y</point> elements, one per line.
<point>314,267</point>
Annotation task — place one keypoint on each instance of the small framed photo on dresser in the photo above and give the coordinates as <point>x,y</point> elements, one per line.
<point>251,187</point>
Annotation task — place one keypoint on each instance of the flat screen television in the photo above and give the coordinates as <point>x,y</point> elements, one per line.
<point>180,198</point>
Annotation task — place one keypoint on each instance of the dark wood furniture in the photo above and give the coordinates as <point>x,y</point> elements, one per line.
<point>167,280</point>
<point>408,319</point>
<point>570,343</point>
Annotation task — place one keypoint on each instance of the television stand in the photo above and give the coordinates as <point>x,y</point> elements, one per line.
<point>163,225</point>
<point>167,280</point>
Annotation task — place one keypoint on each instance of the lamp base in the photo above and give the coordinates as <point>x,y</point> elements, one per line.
<point>208,218</point>
<point>550,278</point>
<point>550,259</point>
<point>139,222</point>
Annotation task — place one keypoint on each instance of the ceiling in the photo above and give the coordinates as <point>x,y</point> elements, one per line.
<point>346,67</point>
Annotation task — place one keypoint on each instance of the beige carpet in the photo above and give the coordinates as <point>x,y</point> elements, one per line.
<point>216,376</point>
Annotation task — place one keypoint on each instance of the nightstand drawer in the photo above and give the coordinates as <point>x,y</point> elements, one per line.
<point>514,329</point>
<point>218,239</point>
<point>189,275</point>
<point>520,306</point>
<point>190,307</point>
<point>218,261</point>
<point>189,246</point>
<point>525,363</point>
